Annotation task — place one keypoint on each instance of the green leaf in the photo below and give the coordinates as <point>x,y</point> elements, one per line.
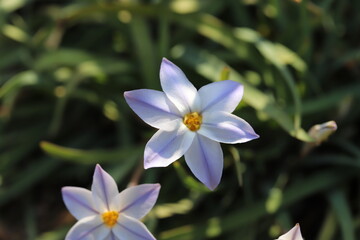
<point>90,157</point>
<point>332,99</point>
<point>328,228</point>
<point>20,80</point>
<point>58,234</point>
<point>61,57</point>
<point>165,210</point>
<point>145,51</point>
<point>342,210</point>
<point>12,5</point>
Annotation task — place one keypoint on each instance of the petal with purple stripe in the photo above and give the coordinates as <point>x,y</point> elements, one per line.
<point>226,127</point>
<point>205,160</point>
<point>154,108</point>
<point>178,88</point>
<point>79,202</point>
<point>221,96</point>
<point>166,147</point>
<point>128,228</point>
<point>103,189</point>
<point>137,201</point>
<point>111,237</point>
<point>89,228</point>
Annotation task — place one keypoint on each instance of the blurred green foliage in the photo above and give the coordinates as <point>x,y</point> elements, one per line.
<point>64,65</point>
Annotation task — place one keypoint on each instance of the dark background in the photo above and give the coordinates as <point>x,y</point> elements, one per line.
<point>64,66</point>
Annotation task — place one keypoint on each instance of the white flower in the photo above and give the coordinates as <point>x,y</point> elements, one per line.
<point>190,122</point>
<point>293,234</point>
<point>105,214</point>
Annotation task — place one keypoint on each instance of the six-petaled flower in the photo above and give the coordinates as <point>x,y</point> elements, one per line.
<point>105,214</point>
<point>190,122</point>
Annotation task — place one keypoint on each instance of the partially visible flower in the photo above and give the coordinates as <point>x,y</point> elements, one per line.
<point>320,133</point>
<point>190,122</point>
<point>105,214</point>
<point>293,234</point>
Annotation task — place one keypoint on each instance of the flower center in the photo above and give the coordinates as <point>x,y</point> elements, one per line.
<point>110,218</point>
<point>193,121</point>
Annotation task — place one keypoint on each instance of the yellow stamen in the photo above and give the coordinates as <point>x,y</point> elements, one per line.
<point>193,121</point>
<point>110,218</point>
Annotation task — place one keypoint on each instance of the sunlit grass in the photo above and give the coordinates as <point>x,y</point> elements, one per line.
<point>64,66</point>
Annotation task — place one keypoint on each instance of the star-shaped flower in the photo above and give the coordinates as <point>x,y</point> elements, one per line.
<point>190,122</point>
<point>293,234</point>
<point>105,214</point>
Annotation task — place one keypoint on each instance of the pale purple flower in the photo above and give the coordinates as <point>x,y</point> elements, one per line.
<point>190,122</point>
<point>105,214</point>
<point>293,234</point>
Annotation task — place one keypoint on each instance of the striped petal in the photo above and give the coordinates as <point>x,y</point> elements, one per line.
<point>128,228</point>
<point>166,147</point>
<point>79,202</point>
<point>111,236</point>
<point>89,228</point>
<point>226,127</point>
<point>178,88</point>
<point>137,201</point>
<point>154,108</point>
<point>205,160</point>
<point>104,190</point>
<point>221,96</point>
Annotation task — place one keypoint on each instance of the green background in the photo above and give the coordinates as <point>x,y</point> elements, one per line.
<point>64,66</point>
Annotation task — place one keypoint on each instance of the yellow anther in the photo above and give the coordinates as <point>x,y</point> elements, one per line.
<point>110,218</point>
<point>193,121</point>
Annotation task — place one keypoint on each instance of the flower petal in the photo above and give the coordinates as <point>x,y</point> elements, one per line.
<point>128,228</point>
<point>89,228</point>
<point>79,202</point>
<point>111,236</point>
<point>153,107</point>
<point>178,88</point>
<point>166,147</point>
<point>221,96</point>
<point>293,234</point>
<point>137,201</point>
<point>205,160</point>
<point>226,127</point>
<point>104,189</point>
